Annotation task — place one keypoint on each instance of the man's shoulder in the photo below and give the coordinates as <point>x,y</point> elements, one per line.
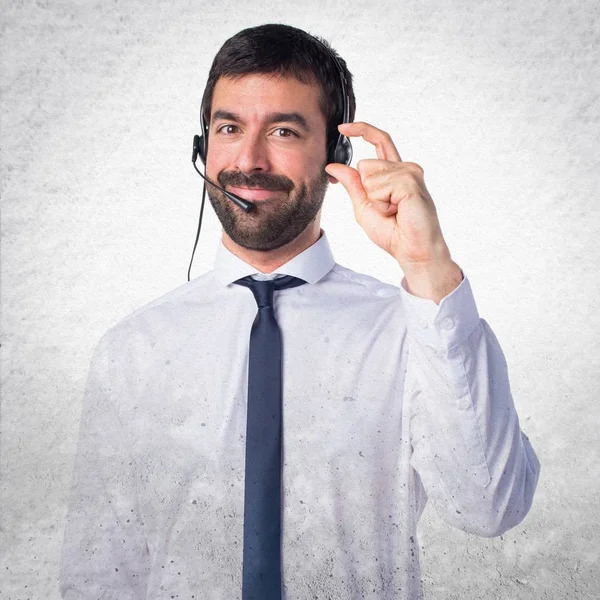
<point>169,307</point>
<point>363,282</point>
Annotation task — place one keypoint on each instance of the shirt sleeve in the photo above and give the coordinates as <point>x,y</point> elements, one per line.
<point>105,553</point>
<point>477,467</point>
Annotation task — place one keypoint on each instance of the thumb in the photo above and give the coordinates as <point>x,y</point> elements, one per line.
<point>350,179</point>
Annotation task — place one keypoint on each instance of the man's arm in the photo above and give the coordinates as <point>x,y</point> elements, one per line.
<point>104,554</point>
<point>476,465</point>
<point>474,462</point>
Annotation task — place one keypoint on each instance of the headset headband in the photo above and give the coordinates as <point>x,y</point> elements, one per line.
<point>345,98</point>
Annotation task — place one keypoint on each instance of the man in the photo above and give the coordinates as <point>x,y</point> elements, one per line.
<point>388,395</point>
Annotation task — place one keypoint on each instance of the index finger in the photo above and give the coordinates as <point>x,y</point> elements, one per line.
<point>384,146</point>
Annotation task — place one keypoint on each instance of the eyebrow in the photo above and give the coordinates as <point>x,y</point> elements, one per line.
<point>274,117</point>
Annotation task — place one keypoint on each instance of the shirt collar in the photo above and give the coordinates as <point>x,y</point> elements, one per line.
<point>311,265</point>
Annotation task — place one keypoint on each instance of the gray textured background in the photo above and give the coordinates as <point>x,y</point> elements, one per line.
<point>498,101</point>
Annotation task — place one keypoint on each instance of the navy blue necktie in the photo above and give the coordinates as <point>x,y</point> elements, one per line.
<point>261,570</point>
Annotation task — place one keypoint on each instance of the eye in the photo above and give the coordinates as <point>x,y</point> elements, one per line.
<point>285,133</point>
<point>227,129</point>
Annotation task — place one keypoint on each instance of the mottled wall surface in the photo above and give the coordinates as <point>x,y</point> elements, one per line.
<point>498,101</point>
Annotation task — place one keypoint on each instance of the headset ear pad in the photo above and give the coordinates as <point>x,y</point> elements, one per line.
<point>341,152</point>
<point>203,138</point>
<point>202,148</point>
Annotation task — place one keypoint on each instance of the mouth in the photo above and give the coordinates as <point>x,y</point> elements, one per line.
<point>253,193</point>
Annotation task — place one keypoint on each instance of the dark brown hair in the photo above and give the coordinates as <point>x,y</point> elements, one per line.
<point>285,51</point>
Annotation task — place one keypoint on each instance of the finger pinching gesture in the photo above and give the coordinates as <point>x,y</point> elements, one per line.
<point>391,202</point>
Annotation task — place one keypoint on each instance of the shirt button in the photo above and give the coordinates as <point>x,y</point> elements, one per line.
<point>447,323</point>
<point>424,324</point>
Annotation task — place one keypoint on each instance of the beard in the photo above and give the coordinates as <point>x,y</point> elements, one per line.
<point>274,222</point>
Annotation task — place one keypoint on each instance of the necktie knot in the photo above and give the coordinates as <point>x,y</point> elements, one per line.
<point>263,290</point>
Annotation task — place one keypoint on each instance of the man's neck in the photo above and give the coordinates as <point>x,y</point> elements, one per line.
<point>270,260</point>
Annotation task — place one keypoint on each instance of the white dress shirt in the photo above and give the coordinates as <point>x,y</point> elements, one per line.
<point>388,400</point>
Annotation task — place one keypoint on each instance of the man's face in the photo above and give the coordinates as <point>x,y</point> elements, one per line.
<point>267,144</point>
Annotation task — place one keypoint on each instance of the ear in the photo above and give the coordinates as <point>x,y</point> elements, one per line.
<point>332,179</point>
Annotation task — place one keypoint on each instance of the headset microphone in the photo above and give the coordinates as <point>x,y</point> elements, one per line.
<point>243,204</point>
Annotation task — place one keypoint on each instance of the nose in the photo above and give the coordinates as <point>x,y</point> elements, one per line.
<point>252,153</point>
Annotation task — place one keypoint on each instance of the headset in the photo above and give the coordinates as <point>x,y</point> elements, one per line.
<point>339,148</point>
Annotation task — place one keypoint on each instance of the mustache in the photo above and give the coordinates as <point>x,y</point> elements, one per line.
<point>262,181</point>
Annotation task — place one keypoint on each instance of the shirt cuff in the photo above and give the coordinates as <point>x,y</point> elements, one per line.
<point>445,324</point>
